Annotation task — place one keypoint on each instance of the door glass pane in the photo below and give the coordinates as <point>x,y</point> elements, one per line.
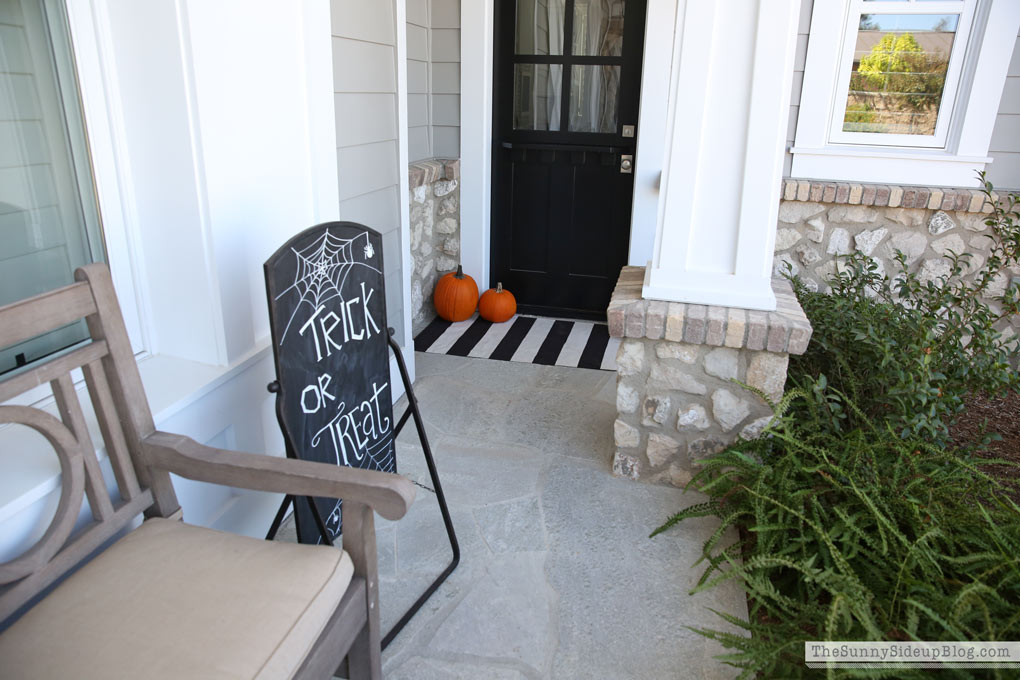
<point>540,26</point>
<point>537,96</point>
<point>598,28</point>
<point>48,216</point>
<point>899,73</point>
<point>594,96</point>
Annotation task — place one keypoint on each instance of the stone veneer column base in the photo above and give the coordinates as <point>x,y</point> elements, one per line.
<point>435,231</point>
<point>676,398</point>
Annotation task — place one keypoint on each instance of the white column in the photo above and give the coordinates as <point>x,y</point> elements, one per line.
<point>729,106</point>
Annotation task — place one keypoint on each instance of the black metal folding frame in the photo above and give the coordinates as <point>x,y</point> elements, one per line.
<point>412,411</point>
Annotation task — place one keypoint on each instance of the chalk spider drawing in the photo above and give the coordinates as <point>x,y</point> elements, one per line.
<point>322,269</point>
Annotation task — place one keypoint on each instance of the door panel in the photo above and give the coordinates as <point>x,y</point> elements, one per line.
<point>561,196</point>
<point>531,216</point>
<point>589,230</point>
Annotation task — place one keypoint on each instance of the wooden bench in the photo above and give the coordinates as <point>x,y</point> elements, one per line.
<point>171,600</point>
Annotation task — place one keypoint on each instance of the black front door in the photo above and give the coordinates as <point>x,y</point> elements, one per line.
<point>565,109</point>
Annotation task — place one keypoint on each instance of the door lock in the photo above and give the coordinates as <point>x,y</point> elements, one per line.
<point>627,163</point>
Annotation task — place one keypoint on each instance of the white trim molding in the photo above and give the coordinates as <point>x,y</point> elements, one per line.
<point>102,108</point>
<point>406,263</point>
<point>476,35</point>
<point>957,151</point>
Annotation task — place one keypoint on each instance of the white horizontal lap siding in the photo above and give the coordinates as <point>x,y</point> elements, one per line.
<point>1005,145</point>
<point>367,128</point>
<point>803,30</point>
<point>444,58</point>
<point>433,79</point>
<point>419,118</point>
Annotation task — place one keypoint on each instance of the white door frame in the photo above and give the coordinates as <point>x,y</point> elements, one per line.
<point>476,20</point>
<point>476,35</point>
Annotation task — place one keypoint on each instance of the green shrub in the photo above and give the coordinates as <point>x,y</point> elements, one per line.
<point>856,519</point>
<point>854,535</point>
<point>908,350</point>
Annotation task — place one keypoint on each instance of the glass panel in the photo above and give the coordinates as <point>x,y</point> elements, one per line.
<point>899,73</point>
<point>537,96</point>
<point>594,94</point>
<point>598,28</point>
<point>48,215</point>
<point>540,26</point>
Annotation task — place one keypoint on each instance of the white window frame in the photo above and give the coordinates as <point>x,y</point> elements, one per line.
<point>964,9</point>
<point>980,59</point>
<point>97,87</point>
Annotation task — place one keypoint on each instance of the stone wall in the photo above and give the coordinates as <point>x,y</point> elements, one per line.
<point>819,221</point>
<point>435,232</point>
<point>676,396</point>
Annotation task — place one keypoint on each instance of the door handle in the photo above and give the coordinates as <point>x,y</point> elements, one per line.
<point>627,164</point>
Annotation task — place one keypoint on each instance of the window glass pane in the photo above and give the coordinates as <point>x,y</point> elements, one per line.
<point>537,96</point>
<point>899,73</point>
<point>540,26</point>
<point>598,28</point>
<point>594,94</point>
<point>48,217</point>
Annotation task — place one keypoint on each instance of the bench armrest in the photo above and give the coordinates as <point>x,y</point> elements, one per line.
<point>388,494</point>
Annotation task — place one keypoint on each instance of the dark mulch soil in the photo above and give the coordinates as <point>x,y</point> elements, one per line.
<point>1000,415</point>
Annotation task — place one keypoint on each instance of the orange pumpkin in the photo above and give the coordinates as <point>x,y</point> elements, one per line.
<point>497,305</point>
<point>456,296</point>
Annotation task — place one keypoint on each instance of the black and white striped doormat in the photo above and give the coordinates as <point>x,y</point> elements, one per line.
<point>527,339</point>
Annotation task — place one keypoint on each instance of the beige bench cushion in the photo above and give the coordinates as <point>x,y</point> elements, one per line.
<point>171,600</point>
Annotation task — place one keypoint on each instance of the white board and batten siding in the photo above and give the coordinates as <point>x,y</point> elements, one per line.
<point>195,195</point>
<point>433,79</point>
<point>371,176</point>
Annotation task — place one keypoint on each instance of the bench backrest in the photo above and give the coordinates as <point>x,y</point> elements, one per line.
<point>115,390</point>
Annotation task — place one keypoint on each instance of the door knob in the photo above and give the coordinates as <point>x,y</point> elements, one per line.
<point>627,164</point>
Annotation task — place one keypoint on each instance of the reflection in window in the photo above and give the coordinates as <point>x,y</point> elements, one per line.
<point>540,27</point>
<point>537,96</point>
<point>48,215</point>
<point>594,94</point>
<point>598,28</point>
<point>899,73</point>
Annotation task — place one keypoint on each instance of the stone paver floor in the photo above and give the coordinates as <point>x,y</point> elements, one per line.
<point>558,578</point>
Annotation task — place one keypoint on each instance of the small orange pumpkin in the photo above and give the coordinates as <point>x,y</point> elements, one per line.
<point>456,296</point>
<point>497,305</point>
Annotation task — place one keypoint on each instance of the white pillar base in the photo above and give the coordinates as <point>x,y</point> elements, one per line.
<point>708,288</point>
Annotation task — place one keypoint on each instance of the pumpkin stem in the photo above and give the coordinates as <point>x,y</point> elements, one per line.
<point>460,272</point>
<point>499,287</point>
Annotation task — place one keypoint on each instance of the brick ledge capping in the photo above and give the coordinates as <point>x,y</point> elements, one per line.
<point>630,316</point>
<point>424,172</point>
<point>887,195</point>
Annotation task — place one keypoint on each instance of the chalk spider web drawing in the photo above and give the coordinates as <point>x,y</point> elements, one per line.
<point>322,269</point>
<point>378,457</point>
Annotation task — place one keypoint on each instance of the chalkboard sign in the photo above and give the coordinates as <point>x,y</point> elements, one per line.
<point>327,309</point>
